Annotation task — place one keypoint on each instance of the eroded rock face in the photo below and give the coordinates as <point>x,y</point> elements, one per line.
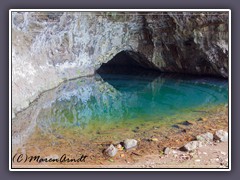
<point>49,47</point>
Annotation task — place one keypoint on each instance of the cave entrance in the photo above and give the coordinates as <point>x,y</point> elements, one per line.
<point>129,63</point>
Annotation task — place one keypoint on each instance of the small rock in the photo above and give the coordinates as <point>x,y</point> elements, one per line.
<point>175,155</point>
<point>183,130</point>
<point>186,123</point>
<point>111,160</point>
<point>207,137</point>
<point>154,139</point>
<point>223,153</point>
<point>197,160</point>
<point>175,126</point>
<point>202,119</point>
<point>174,152</point>
<point>129,143</point>
<point>167,150</point>
<point>221,135</point>
<point>122,155</point>
<point>59,136</point>
<point>111,151</point>
<point>119,146</point>
<point>191,146</point>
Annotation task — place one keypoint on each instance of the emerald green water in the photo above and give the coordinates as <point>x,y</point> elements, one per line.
<point>120,103</point>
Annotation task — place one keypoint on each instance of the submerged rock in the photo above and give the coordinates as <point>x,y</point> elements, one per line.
<point>129,143</point>
<point>175,126</point>
<point>202,119</point>
<point>135,131</point>
<point>186,123</point>
<point>221,135</point>
<point>111,151</point>
<point>207,137</point>
<point>191,146</point>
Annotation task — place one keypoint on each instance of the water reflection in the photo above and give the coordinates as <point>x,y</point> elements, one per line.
<point>120,98</point>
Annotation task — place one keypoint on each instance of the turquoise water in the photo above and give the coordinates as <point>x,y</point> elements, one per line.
<point>98,103</point>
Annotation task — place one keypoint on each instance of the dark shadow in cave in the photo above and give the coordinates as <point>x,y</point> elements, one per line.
<point>128,65</point>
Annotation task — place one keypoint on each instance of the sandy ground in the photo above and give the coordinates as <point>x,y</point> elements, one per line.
<point>149,154</point>
<point>214,155</point>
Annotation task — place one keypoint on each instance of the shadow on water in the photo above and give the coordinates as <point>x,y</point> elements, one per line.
<point>146,77</point>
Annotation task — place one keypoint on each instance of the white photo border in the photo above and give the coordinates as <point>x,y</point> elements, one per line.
<point>118,169</point>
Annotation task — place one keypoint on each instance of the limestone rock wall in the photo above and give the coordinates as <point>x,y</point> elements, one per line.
<point>50,47</point>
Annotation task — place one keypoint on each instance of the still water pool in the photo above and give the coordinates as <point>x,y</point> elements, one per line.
<point>117,104</point>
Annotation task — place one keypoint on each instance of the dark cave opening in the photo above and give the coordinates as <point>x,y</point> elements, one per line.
<point>128,63</point>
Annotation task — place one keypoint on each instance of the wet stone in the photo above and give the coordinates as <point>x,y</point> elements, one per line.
<point>186,123</point>
<point>175,126</point>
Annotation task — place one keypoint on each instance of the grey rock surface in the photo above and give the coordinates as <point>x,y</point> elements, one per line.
<point>192,146</point>
<point>111,151</point>
<point>50,47</point>
<point>130,143</point>
<point>221,135</point>
<point>206,137</point>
